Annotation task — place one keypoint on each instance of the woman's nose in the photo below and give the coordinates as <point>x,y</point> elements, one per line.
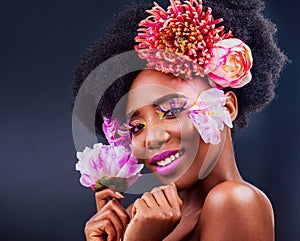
<point>156,137</point>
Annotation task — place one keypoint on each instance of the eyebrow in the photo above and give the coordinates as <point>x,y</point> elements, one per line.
<point>157,102</point>
<point>132,114</point>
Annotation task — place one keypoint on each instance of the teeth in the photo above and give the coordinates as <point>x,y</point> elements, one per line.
<point>164,162</point>
<point>168,160</point>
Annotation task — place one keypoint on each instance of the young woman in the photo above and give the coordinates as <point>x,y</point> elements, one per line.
<point>179,115</point>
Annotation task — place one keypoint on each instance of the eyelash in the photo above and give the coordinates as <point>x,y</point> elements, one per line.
<point>170,114</point>
<point>139,127</point>
<point>172,106</point>
<point>130,127</point>
<point>167,110</point>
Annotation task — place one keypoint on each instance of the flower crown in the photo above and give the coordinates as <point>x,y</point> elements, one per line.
<point>185,41</point>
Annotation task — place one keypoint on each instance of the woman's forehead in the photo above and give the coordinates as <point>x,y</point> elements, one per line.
<point>151,85</point>
<point>151,77</point>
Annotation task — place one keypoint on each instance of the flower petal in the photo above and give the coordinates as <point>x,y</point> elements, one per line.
<point>105,162</point>
<point>232,69</point>
<point>209,115</point>
<point>179,40</point>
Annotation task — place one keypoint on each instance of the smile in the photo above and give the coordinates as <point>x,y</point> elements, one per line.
<point>167,161</point>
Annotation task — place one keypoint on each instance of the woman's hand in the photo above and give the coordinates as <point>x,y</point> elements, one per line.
<point>110,221</point>
<point>154,215</point>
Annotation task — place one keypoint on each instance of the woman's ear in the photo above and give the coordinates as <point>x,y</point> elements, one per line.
<point>232,105</point>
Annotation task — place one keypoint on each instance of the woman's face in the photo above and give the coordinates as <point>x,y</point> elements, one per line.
<point>163,136</point>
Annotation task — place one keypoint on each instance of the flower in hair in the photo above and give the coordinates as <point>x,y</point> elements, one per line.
<point>230,65</point>
<point>187,41</point>
<point>110,165</point>
<point>209,115</point>
<point>179,40</point>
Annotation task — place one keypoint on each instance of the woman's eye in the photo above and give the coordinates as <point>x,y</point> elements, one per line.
<point>132,127</point>
<point>135,129</point>
<point>170,114</point>
<point>172,107</point>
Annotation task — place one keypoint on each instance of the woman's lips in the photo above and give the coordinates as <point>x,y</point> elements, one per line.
<point>162,156</point>
<point>167,161</point>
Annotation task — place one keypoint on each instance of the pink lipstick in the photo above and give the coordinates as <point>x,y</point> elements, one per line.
<point>165,162</point>
<point>162,156</point>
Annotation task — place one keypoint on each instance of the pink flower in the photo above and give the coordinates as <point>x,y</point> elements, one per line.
<point>230,65</point>
<point>179,40</point>
<point>110,128</point>
<point>209,114</point>
<point>107,166</point>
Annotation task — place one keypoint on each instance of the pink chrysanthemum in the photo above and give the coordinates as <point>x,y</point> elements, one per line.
<point>179,40</point>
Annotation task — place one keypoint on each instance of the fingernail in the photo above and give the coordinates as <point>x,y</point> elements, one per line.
<point>119,194</point>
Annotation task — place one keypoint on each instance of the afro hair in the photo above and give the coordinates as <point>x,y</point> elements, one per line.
<point>244,18</point>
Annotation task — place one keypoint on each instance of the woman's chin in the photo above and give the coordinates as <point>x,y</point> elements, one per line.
<point>178,171</point>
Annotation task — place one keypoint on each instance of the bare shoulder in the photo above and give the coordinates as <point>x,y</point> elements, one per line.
<point>236,210</point>
<point>237,194</point>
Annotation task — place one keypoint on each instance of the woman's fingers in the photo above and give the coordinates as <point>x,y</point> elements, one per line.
<point>113,210</point>
<point>164,199</point>
<point>172,196</point>
<point>110,222</point>
<point>169,193</point>
<point>149,199</point>
<point>159,209</point>
<point>163,195</point>
<point>102,196</point>
<point>160,198</point>
<point>139,205</point>
<point>119,211</point>
<point>98,231</point>
<point>111,215</point>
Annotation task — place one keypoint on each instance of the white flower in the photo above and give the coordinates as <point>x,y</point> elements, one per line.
<point>209,114</point>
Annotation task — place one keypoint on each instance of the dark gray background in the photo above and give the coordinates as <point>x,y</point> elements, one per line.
<point>40,196</point>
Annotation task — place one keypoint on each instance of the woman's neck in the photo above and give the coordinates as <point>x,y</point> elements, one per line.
<point>225,169</point>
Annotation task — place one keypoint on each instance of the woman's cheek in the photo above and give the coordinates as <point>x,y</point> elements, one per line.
<point>187,129</point>
<point>138,147</point>
<point>180,129</point>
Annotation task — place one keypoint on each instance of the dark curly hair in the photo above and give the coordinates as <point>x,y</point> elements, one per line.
<point>244,18</point>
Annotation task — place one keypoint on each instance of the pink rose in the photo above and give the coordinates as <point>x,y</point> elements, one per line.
<point>230,65</point>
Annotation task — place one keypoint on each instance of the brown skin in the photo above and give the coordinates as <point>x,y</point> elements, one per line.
<point>220,207</point>
<point>111,219</point>
<point>159,209</point>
